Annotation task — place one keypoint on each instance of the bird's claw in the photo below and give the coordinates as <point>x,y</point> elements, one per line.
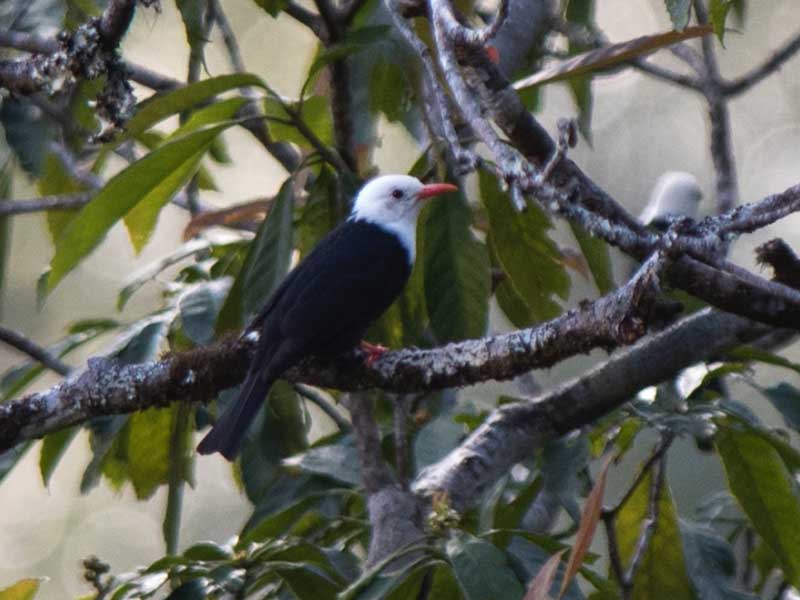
<point>373,351</point>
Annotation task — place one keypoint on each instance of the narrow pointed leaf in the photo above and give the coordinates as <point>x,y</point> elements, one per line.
<point>24,589</point>
<point>266,264</point>
<point>766,491</point>
<point>455,271</point>
<point>595,251</point>
<point>662,571</point>
<point>158,108</point>
<point>482,569</point>
<point>527,255</point>
<point>678,12</point>
<point>539,588</point>
<point>53,448</point>
<point>609,56</point>
<point>123,192</point>
<point>592,510</point>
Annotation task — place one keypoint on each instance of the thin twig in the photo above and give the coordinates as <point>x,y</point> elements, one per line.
<point>651,521</point>
<point>756,75</point>
<point>649,68</point>
<point>27,346</point>
<point>315,398</point>
<point>400,429</point>
<point>57,202</point>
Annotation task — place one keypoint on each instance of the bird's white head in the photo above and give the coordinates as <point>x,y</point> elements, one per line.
<point>393,202</point>
<point>675,194</point>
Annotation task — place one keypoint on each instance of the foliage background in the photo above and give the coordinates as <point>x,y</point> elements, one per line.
<point>641,128</point>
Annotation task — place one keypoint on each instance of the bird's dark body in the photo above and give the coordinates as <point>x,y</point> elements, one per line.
<point>323,307</point>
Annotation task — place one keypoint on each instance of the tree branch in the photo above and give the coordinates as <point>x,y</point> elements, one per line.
<point>19,342</point>
<point>57,202</point>
<point>514,431</point>
<point>109,388</point>
<point>764,70</point>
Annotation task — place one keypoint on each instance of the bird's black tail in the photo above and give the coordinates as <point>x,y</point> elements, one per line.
<point>227,434</point>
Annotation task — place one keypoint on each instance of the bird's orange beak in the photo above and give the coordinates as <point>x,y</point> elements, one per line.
<point>436,189</point>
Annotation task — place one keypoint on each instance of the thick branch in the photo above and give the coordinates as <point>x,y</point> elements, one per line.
<point>514,431</point>
<point>109,388</point>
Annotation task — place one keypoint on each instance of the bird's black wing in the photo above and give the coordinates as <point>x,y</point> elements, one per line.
<point>334,298</point>
<point>316,255</point>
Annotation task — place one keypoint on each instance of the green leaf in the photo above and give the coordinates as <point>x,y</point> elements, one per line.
<point>595,251</point>
<point>438,437</point>
<point>266,264</point>
<point>314,112</point>
<point>53,447</point>
<point>718,14</point>
<point>193,15</point>
<point>24,589</point>
<point>355,41</point>
<point>455,266</point>
<point>481,569</point>
<point>10,458</point>
<point>273,7</point>
<point>711,563</point>
<point>581,12</point>
<point>662,571</point>
<point>55,180</point>
<point>280,430</point>
<point>678,13</point>
<point>159,107</point>
<point>527,255</point>
<point>199,308</point>
<point>509,515</point>
<point>149,434</point>
<point>151,180</point>
<point>444,585</point>
<point>389,90</point>
<point>751,353</point>
<point>308,582</point>
<point>786,399</point>
<point>766,491</point>
<point>335,457</point>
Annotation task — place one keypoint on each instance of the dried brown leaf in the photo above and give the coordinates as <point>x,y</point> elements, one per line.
<point>589,519</point>
<point>607,56</point>
<point>249,211</point>
<point>539,588</point>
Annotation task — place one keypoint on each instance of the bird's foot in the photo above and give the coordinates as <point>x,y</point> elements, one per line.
<point>374,352</point>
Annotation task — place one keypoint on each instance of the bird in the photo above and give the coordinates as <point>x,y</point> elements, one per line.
<point>676,194</point>
<point>325,304</point>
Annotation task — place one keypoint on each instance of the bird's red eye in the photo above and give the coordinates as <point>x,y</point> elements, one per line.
<point>397,194</point>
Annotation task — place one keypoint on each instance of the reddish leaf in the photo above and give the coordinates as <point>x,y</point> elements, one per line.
<point>249,211</point>
<point>605,57</point>
<point>589,519</point>
<point>539,589</point>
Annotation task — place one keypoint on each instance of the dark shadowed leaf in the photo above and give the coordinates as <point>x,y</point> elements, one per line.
<point>662,570</point>
<point>595,251</point>
<point>278,431</point>
<point>764,488</point>
<point>436,439</point>
<point>199,308</point>
<point>455,270</point>
<point>266,264</point>
<point>28,132</point>
<point>336,457</point>
<point>11,457</point>
<point>481,569</point>
<point>527,255</point>
<point>711,563</point>
<point>786,399</point>
<point>509,515</point>
<point>389,90</point>
<point>53,448</point>
<point>752,353</point>
<point>444,585</point>
<point>272,7</point>
<point>192,14</point>
<point>678,12</point>
<point>154,179</point>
